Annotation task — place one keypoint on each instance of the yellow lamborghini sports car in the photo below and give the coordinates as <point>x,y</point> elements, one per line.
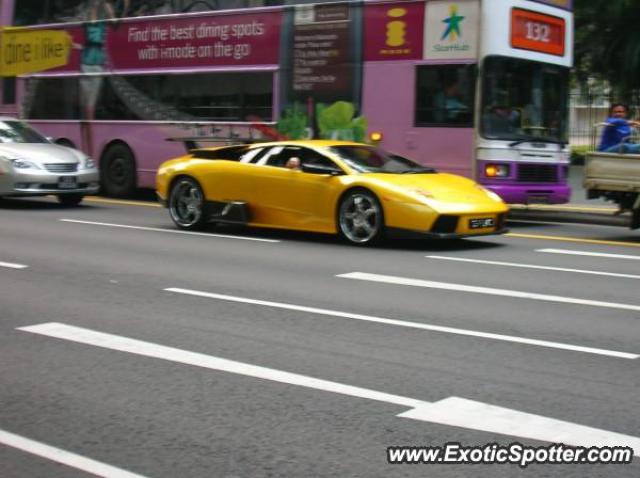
<point>353,189</point>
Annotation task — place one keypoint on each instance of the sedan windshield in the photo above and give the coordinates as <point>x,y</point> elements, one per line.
<point>366,159</point>
<point>18,132</point>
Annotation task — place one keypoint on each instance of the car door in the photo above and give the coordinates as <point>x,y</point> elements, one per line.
<point>293,198</point>
<point>316,193</point>
<point>271,205</point>
<point>233,180</point>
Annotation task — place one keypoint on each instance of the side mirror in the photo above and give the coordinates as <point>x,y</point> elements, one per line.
<point>322,169</point>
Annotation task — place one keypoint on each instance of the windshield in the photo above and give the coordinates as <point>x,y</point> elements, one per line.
<point>524,100</point>
<point>17,132</point>
<point>367,159</point>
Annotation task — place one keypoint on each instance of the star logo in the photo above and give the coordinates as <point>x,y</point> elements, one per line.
<point>453,24</point>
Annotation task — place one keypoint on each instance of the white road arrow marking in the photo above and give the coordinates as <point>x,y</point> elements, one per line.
<point>484,290</point>
<point>460,412</point>
<point>451,411</point>
<point>62,456</point>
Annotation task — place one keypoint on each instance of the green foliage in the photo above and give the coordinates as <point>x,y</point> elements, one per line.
<point>607,43</point>
<point>337,122</point>
<point>578,154</point>
<point>293,122</point>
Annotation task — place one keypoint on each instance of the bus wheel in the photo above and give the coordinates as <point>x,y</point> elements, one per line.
<point>118,171</point>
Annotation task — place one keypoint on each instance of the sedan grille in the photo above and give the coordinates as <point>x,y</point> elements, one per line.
<point>61,167</point>
<point>537,173</point>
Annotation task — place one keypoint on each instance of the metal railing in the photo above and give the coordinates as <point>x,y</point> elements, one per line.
<point>588,110</point>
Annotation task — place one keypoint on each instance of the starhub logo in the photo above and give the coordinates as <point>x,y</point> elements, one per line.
<point>452,39</point>
<point>452,32</point>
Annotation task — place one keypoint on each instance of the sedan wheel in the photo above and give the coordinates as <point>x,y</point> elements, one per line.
<point>360,218</point>
<point>186,204</point>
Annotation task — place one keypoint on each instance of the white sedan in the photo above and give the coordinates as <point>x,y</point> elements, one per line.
<point>31,165</point>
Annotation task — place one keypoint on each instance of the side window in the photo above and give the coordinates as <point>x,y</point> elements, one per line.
<point>309,156</point>
<point>253,155</point>
<point>279,155</point>
<point>445,95</point>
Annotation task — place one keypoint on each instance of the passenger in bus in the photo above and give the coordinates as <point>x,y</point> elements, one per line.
<point>449,107</point>
<point>500,119</point>
<point>616,135</point>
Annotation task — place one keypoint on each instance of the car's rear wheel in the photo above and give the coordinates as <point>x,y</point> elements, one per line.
<point>70,199</point>
<point>186,204</point>
<point>360,217</point>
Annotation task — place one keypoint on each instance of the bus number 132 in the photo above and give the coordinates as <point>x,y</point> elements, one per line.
<point>538,32</point>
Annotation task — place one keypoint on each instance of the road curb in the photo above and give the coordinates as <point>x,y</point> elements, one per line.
<point>604,218</point>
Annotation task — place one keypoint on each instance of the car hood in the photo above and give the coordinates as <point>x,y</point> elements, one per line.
<point>439,186</point>
<point>41,153</point>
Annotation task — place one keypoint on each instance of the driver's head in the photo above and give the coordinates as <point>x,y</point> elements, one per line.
<point>293,163</point>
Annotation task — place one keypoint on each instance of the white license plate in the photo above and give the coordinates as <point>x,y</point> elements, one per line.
<point>67,182</point>
<point>481,223</point>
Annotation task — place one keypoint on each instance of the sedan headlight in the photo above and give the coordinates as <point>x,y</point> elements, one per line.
<point>19,163</point>
<point>89,163</point>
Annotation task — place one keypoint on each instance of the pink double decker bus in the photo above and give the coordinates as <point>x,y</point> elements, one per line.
<point>474,87</point>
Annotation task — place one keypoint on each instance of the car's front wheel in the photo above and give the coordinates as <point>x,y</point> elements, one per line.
<point>186,204</point>
<point>360,217</point>
<point>70,199</point>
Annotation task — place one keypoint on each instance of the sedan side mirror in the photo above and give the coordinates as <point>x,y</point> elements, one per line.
<point>322,169</point>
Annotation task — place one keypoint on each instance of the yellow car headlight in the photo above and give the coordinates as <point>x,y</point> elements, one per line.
<point>489,193</point>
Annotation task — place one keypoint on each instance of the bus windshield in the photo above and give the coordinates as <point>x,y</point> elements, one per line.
<point>524,100</point>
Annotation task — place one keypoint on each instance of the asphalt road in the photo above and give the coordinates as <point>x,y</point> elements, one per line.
<point>251,353</point>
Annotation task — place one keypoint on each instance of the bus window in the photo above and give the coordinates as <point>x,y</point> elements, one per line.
<point>52,98</point>
<point>29,12</point>
<point>445,95</point>
<point>211,97</point>
<point>8,91</point>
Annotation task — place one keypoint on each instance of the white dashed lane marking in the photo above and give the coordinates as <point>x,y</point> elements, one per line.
<point>407,324</point>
